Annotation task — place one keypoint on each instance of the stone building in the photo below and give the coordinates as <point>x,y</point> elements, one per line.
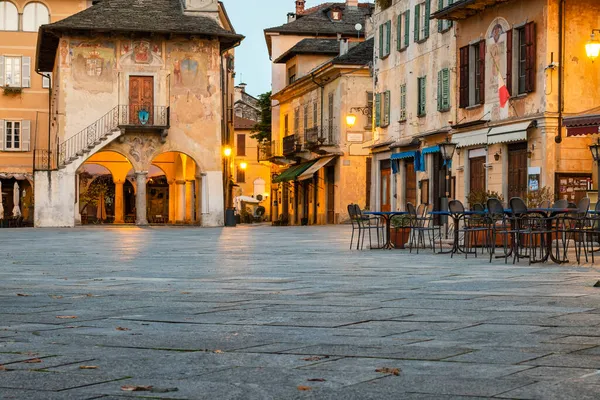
<point>24,101</point>
<point>318,65</point>
<point>244,104</point>
<point>414,102</point>
<point>523,74</point>
<point>141,88</point>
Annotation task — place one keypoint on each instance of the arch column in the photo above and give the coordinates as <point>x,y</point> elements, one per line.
<point>172,201</point>
<point>198,203</point>
<point>119,202</point>
<point>180,201</point>
<point>189,201</point>
<point>140,198</point>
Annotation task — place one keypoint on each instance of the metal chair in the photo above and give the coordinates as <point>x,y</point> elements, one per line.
<point>562,203</point>
<point>363,224</point>
<point>472,227</point>
<point>499,224</point>
<point>421,223</point>
<point>573,228</point>
<point>531,232</point>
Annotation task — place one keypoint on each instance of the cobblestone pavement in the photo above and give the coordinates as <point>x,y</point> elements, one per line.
<point>283,313</point>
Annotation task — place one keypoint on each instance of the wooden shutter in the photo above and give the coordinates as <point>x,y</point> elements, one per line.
<point>388,36</point>
<point>386,108</point>
<point>407,28</point>
<point>403,102</point>
<point>427,18</point>
<point>1,70</point>
<point>2,126</point>
<point>440,22</point>
<point>381,41</point>
<point>439,91</point>
<point>399,33</point>
<point>25,72</point>
<point>368,171</point>
<point>464,77</point>
<point>422,96</point>
<point>241,145</point>
<point>482,72</point>
<point>509,60</point>
<point>378,109</point>
<point>445,89</point>
<point>25,135</point>
<point>530,57</point>
<point>417,21</point>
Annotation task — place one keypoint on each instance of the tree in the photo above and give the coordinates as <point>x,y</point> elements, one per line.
<point>262,130</point>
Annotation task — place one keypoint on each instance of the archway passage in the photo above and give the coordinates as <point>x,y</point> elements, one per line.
<point>177,190</point>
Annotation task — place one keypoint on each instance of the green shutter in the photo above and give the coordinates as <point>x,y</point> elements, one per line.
<point>440,21</point>
<point>402,102</point>
<point>399,33</point>
<point>407,28</point>
<point>386,108</point>
<point>427,18</point>
<point>417,22</point>
<point>422,96</point>
<point>389,37</point>
<point>439,91</point>
<point>381,41</point>
<point>378,109</point>
<point>446,89</point>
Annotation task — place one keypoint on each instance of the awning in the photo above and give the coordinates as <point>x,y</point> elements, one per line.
<point>292,172</point>
<point>582,125</point>
<point>509,133</point>
<point>320,163</point>
<point>403,155</point>
<point>472,138</point>
<point>430,150</point>
<point>19,177</point>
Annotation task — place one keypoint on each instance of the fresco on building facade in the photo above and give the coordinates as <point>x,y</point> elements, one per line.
<point>93,65</point>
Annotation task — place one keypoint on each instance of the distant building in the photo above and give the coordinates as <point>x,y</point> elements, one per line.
<point>143,91</point>
<point>245,105</point>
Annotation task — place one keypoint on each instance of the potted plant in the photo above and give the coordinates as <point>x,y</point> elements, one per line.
<point>12,90</point>
<point>482,196</point>
<point>537,197</point>
<point>400,232</point>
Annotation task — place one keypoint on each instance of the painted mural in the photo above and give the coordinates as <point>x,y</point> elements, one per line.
<point>142,51</point>
<point>495,69</point>
<point>93,65</point>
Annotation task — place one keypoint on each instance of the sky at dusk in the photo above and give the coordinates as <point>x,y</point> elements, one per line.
<point>250,18</point>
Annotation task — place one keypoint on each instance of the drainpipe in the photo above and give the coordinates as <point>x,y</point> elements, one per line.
<point>49,117</point>
<point>561,71</point>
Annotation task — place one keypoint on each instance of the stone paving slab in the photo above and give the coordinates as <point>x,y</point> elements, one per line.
<point>257,312</point>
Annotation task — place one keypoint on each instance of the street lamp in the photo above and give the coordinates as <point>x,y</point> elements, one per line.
<point>447,149</point>
<point>592,47</point>
<point>227,151</point>
<point>243,165</point>
<point>595,149</point>
<point>351,118</point>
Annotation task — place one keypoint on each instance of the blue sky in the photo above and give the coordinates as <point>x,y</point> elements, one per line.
<point>250,17</point>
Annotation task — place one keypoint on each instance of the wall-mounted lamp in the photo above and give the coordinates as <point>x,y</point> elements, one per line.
<point>530,150</point>
<point>227,151</point>
<point>592,47</point>
<point>497,155</point>
<point>243,165</point>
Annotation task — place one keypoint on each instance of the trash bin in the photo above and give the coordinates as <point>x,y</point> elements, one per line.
<point>230,217</point>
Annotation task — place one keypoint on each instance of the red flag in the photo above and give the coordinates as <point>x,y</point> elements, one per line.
<point>502,91</point>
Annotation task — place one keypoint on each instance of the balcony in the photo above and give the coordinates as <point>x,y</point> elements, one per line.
<point>145,118</point>
<point>289,145</point>
<point>462,9</point>
<point>265,151</point>
<point>316,138</point>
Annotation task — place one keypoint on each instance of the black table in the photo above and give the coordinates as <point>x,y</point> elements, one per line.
<point>387,216</point>
<point>456,217</point>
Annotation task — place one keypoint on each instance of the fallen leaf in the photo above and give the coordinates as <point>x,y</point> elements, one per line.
<point>218,351</point>
<point>88,367</point>
<point>66,317</point>
<point>386,370</point>
<point>56,297</point>
<point>186,292</point>
<point>164,390</point>
<point>2,368</point>
<point>122,329</point>
<point>33,361</point>
<point>22,295</point>
<point>316,380</point>
<point>304,388</point>
<point>136,388</point>
<point>315,358</point>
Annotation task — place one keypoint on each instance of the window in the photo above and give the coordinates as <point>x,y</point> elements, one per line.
<point>297,121</point>
<point>306,124</point>
<point>9,16</point>
<point>370,99</point>
<point>241,145</point>
<point>330,114</point>
<point>15,135</point>
<point>15,71</point>
<point>34,16</point>
<point>291,74</point>
<point>403,30</point>
<point>385,36</point>
<point>241,175</point>
<point>422,13</point>
<point>402,103</point>
<point>315,114</point>
<point>422,96</point>
<point>520,54</point>
<point>336,14</point>
<point>443,24</point>
<point>46,81</point>
<point>386,109</point>
<point>378,109</point>
<point>472,74</point>
<point>286,125</point>
<point>444,90</point>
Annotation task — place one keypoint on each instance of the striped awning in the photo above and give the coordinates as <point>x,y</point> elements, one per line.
<point>310,171</point>
<point>404,155</point>
<point>472,138</point>
<point>582,125</point>
<point>509,133</point>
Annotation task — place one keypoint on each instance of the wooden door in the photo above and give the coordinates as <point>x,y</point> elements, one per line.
<point>517,171</point>
<point>330,177</point>
<point>477,171</point>
<point>385,190</point>
<point>411,183</point>
<point>141,97</point>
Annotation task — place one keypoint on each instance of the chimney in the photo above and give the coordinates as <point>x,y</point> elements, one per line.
<point>291,17</point>
<point>352,3</point>
<point>343,46</point>
<point>242,86</point>
<point>300,6</point>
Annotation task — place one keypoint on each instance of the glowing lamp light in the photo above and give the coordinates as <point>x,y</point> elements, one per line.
<point>227,151</point>
<point>243,165</point>
<point>592,47</point>
<point>350,120</point>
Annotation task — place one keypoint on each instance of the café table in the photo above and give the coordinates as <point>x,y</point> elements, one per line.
<point>456,217</point>
<point>387,217</point>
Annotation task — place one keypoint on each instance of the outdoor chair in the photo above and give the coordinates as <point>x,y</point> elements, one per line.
<point>562,203</point>
<point>574,228</point>
<point>471,227</point>
<point>364,224</point>
<point>531,232</point>
<point>422,225</point>
<point>545,204</point>
<point>499,226</point>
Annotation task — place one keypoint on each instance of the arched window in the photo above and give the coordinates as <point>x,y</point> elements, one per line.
<point>9,17</point>
<point>34,16</point>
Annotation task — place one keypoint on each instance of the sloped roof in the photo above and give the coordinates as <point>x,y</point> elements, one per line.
<point>361,54</point>
<point>317,21</point>
<point>131,16</point>
<point>243,123</point>
<point>311,46</point>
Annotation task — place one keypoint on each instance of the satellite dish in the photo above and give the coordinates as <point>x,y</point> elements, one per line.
<point>358,27</point>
